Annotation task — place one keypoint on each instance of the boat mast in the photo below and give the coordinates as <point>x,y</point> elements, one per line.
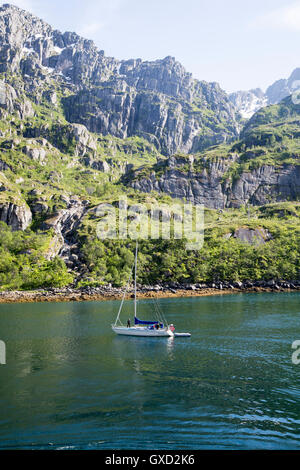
<point>135,269</point>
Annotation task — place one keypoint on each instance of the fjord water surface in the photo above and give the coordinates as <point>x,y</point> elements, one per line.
<point>70,383</point>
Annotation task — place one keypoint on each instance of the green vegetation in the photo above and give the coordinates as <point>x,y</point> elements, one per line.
<point>23,265</point>
<point>221,258</point>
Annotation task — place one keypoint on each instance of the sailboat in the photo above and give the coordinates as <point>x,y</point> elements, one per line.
<point>155,328</point>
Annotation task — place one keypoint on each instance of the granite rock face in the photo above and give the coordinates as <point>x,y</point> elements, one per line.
<point>257,236</point>
<point>14,101</point>
<point>215,190</point>
<point>19,217</point>
<point>159,101</point>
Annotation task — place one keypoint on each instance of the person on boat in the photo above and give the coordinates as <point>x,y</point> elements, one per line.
<point>157,326</point>
<point>172,327</point>
<point>128,323</point>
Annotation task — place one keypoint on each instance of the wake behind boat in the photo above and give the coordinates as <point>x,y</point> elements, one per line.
<point>156,328</point>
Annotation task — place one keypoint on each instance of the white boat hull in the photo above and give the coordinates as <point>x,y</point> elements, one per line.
<point>141,331</point>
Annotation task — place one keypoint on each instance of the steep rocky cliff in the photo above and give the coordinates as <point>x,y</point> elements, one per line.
<point>156,100</point>
<point>263,166</point>
<point>215,187</point>
<point>17,216</point>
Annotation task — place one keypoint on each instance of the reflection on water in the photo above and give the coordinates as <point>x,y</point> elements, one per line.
<point>170,347</point>
<point>70,382</point>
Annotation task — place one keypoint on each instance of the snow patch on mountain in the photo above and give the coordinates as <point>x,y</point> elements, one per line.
<point>249,102</point>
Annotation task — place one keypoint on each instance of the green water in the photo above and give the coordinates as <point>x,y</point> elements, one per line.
<point>70,383</point>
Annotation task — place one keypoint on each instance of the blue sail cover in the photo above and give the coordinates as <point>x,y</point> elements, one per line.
<point>144,322</point>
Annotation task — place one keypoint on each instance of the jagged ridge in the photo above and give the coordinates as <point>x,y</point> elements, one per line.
<point>157,100</point>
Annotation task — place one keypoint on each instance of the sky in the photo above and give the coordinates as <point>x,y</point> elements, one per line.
<point>239,44</point>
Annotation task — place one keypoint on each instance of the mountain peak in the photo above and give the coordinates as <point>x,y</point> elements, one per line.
<point>157,100</point>
<point>9,8</point>
<point>17,24</point>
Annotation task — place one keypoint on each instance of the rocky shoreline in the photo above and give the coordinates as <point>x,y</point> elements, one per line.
<point>69,294</point>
